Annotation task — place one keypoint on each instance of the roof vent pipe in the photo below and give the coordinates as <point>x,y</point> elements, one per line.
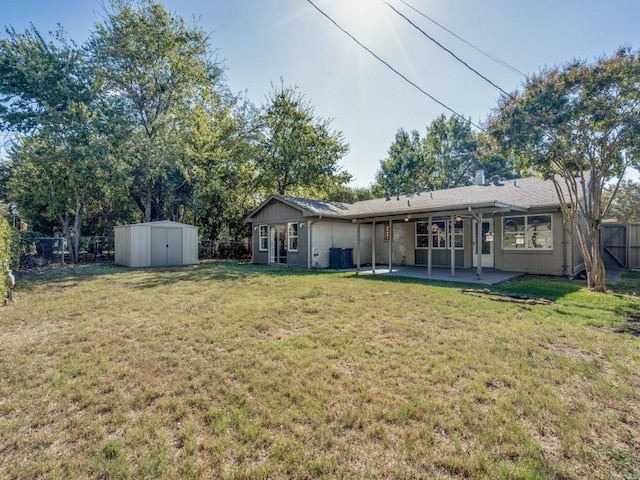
<point>479,178</point>
<point>496,180</point>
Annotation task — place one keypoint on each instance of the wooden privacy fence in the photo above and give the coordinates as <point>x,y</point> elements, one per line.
<point>620,244</point>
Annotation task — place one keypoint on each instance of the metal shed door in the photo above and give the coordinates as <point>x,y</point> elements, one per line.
<point>166,246</point>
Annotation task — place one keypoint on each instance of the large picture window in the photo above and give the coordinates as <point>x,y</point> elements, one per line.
<point>293,237</point>
<point>264,238</point>
<point>443,234</point>
<point>527,232</point>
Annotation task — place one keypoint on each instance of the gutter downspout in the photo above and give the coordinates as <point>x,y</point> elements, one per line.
<point>309,243</point>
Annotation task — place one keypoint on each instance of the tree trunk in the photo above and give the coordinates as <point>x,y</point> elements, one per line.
<point>596,273</point>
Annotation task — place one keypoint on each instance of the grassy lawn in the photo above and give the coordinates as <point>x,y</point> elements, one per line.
<point>234,371</point>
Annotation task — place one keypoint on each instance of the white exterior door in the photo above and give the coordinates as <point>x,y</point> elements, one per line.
<point>166,246</point>
<point>486,253</point>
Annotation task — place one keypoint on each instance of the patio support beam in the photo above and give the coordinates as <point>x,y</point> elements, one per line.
<point>479,245</point>
<point>358,250</point>
<point>390,245</point>
<point>452,245</point>
<point>373,248</point>
<point>429,243</point>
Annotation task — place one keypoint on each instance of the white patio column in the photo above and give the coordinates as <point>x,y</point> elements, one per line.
<point>358,250</point>
<point>430,245</point>
<point>452,246</point>
<point>373,248</point>
<point>479,246</point>
<point>390,245</point>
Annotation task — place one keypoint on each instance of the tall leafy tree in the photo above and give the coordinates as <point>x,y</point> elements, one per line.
<point>156,68</point>
<point>578,125</point>
<point>222,146</point>
<point>452,146</point>
<point>446,157</point>
<point>48,100</point>
<point>298,150</point>
<point>625,207</point>
<point>407,167</point>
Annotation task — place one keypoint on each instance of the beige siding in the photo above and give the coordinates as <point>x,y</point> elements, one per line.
<point>543,262</point>
<point>190,242</point>
<point>140,246</point>
<point>327,234</point>
<point>122,241</point>
<point>403,243</point>
<point>133,243</point>
<point>276,212</point>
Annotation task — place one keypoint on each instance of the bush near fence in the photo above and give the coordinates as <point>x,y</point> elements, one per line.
<point>224,249</point>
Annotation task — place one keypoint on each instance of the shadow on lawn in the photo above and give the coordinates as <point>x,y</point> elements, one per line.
<point>549,288</point>
<point>143,278</point>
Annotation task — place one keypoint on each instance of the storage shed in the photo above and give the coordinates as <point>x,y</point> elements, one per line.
<point>156,244</point>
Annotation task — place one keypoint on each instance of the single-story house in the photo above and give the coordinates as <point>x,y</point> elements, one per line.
<point>509,225</point>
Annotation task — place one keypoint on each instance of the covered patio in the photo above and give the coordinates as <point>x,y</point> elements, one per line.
<point>489,276</point>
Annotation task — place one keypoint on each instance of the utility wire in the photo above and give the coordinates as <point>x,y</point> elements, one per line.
<point>445,48</point>
<point>486,54</point>
<point>392,68</point>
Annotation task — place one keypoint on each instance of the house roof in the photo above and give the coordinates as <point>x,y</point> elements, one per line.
<point>520,195</point>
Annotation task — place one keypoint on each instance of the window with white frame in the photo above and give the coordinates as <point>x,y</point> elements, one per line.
<point>422,235</point>
<point>292,234</point>
<point>527,232</point>
<point>264,238</point>
<point>457,233</point>
<point>443,234</point>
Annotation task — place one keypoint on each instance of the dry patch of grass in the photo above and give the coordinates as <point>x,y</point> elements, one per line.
<point>235,371</point>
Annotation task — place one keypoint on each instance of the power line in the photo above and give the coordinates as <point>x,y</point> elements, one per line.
<point>486,54</point>
<point>445,48</point>
<point>392,68</point>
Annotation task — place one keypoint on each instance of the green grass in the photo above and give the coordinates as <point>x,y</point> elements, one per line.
<point>227,370</point>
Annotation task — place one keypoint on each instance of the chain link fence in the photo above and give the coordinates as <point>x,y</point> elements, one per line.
<point>42,251</point>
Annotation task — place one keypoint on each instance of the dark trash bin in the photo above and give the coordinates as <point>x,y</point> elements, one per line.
<point>341,258</point>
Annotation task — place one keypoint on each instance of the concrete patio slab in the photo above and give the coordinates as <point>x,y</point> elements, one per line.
<point>490,276</point>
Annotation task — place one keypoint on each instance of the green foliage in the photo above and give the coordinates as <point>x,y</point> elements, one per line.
<point>48,92</point>
<point>407,168</point>
<point>134,125</point>
<point>298,151</point>
<point>625,202</point>
<point>155,68</point>
<point>577,125</point>
<point>7,252</point>
<point>447,157</point>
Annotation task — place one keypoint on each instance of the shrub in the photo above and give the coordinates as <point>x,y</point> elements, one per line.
<point>6,251</point>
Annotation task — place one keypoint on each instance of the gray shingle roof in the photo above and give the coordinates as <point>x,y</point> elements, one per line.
<point>523,193</point>
<point>520,194</point>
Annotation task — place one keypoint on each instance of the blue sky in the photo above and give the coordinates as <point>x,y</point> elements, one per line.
<point>262,41</point>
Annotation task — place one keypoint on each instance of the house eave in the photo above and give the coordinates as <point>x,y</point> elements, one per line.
<point>419,212</point>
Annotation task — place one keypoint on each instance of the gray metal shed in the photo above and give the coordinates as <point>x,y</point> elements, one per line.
<point>156,244</point>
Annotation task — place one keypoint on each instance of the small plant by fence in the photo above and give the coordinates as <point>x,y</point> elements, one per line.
<point>42,251</point>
